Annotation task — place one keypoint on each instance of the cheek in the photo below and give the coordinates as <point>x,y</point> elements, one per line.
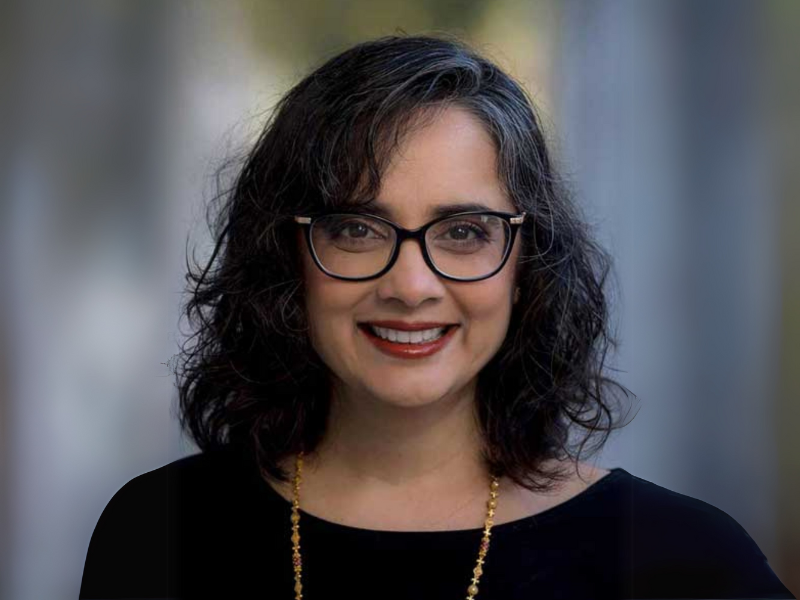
<point>330,306</point>
<point>488,305</point>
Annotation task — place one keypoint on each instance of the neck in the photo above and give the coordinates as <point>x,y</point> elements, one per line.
<point>379,446</point>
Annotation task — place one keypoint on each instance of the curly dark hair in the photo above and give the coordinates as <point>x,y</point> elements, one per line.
<point>248,376</point>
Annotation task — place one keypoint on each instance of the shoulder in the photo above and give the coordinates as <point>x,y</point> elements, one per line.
<point>196,474</point>
<point>680,518</point>
<point>665,519</point>
<point>145,501</point>
<point>679,544</point>
<point>143,527</point>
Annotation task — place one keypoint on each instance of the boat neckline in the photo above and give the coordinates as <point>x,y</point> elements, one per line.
<point>553,512</point>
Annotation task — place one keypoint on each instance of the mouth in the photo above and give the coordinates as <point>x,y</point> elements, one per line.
<point>416,334</point>
<point>408,344</point>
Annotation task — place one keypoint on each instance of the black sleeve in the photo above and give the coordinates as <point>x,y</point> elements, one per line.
<point>129,552</point>
<point>716,558</point>
<point>747,571</point>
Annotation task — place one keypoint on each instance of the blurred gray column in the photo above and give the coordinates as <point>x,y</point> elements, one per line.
<point>87,408</point>
<point>663,137</point>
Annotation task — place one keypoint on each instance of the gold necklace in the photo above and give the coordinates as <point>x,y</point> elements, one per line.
<point>297,561</point>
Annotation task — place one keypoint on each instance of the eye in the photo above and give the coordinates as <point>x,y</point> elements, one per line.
<point>461,231</point>
<point>353,229</point>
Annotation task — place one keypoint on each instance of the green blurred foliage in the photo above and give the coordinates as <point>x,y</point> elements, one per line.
<point>301,31</point>
<point>295,37</point>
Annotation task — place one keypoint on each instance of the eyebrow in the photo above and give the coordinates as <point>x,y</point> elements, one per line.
<point>437,211</point>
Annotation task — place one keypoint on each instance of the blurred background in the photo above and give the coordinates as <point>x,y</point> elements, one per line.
<point>674,120</point>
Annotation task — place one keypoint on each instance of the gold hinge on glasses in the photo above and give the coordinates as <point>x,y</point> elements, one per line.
<point>304,220</point>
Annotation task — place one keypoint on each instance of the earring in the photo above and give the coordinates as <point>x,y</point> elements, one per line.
<point>516,295</point>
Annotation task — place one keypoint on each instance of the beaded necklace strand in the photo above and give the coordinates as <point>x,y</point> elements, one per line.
<point>297,560</point>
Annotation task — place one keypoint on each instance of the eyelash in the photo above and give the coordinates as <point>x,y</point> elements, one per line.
<point>476,229</point>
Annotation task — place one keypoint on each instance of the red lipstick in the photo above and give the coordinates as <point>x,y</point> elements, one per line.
<point>407,350</point>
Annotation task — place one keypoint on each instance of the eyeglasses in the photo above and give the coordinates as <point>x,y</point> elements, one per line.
<point>468,246</point>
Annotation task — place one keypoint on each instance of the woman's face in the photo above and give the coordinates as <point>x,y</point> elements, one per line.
<point>451,160</point>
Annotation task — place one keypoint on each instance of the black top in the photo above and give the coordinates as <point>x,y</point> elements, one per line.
<point>208,526</point>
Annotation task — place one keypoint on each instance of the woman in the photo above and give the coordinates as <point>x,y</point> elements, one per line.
<point>400,333</point>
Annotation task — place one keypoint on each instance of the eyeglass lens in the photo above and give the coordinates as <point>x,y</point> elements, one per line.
<point>466,246</point>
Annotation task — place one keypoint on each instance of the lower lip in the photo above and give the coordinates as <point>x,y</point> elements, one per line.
<point>401,350</point>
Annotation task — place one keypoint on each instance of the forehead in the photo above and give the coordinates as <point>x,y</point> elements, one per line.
<point>447,164</point>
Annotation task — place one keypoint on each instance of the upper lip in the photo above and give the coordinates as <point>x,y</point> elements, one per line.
<point>403,326</point>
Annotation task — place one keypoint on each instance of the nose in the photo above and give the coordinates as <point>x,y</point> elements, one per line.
<point>410,279</point>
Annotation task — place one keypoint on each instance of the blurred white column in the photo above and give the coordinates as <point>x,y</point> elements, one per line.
<point>125,111</point>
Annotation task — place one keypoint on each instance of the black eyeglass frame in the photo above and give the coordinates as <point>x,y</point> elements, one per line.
<point>418,234</point>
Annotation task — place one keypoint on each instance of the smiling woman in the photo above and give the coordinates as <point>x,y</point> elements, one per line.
<point>404,323</point>
<point>452,277</point>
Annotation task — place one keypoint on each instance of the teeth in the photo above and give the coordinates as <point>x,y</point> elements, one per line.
<point>408,337</point>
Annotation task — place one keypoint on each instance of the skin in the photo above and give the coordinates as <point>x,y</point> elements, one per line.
<point>402,450</point>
